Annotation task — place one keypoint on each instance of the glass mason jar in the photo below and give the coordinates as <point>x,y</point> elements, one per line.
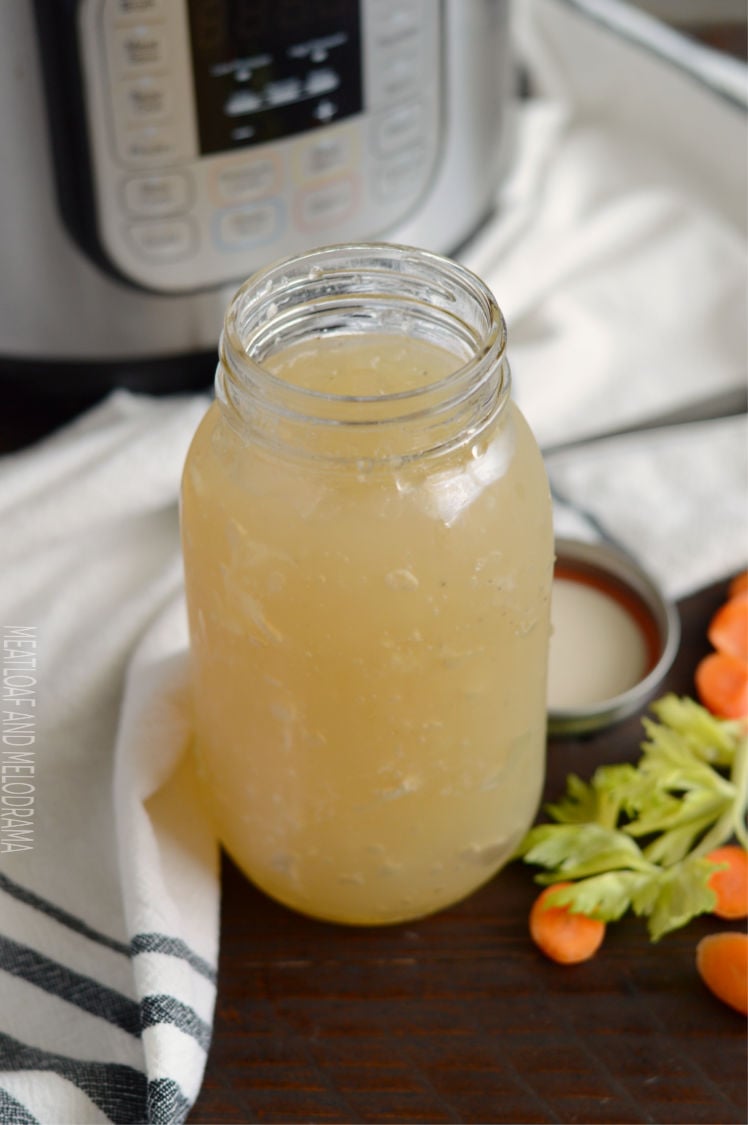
<point>368,551</point>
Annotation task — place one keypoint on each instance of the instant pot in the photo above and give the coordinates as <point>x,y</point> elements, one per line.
<point>156,152</point>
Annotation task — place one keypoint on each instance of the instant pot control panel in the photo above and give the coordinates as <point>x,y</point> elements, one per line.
<point>222,134</point>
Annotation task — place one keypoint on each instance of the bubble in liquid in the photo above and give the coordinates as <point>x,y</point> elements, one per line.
<point>402,579</point>
<point>351,879</point>
<point>408,785</point>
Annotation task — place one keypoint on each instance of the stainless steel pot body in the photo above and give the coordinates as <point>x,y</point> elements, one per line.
<point>153,160</point>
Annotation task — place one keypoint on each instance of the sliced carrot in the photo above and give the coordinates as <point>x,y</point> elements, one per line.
<point>564,937</point>
<point>728,629</point>
<point>722,963</point>
<point>730,881</point>
<point>739,584</point>
<point>722,685</point>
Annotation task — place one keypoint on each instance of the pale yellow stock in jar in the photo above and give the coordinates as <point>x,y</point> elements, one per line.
<point>368,559</point>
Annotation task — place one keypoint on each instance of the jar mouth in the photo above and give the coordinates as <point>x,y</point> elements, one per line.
<point>363,288</point>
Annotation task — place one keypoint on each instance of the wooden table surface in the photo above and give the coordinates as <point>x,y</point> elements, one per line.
<point>458,1018</point>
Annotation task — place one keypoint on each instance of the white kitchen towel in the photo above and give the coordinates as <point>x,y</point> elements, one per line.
<point>618,255</point>
<point>108,870</point>
<point>618,250</point>
<point>676,499</point>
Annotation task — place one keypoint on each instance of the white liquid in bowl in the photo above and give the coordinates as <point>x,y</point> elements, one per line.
<point>598,649</point>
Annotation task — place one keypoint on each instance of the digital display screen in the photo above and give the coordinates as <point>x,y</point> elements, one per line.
<point>266,69</point>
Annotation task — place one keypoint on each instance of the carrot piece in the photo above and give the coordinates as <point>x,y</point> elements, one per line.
<point>730,882</point>
<point>722,685</point>
<point>564,937</point>
<point>722,963</point>
<point>739,584</point>
<point>728,629</point>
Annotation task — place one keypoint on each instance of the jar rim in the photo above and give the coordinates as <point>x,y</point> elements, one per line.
<point>362,283</point>
<point>262,281</point>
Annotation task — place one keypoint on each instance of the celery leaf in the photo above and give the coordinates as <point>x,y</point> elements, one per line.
<point>634,836</point>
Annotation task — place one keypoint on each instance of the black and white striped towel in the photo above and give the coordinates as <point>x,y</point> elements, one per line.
<point>618,255</point>
<point>108,871</point>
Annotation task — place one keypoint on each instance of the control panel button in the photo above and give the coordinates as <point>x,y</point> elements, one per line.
<point>250,179</point>
<point>401,176</point>
<point>152,196</point>
<point>147,98</point>
<point>398,73</point>
<point>167,240</point>
<point>141,47</point>
<point>394,20</point>
<point>153,144</point>
<point>247,226</point>
<point>326,153</point>
<point>399,128</point>
<point>123,11</point>
<point>331,203</point>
